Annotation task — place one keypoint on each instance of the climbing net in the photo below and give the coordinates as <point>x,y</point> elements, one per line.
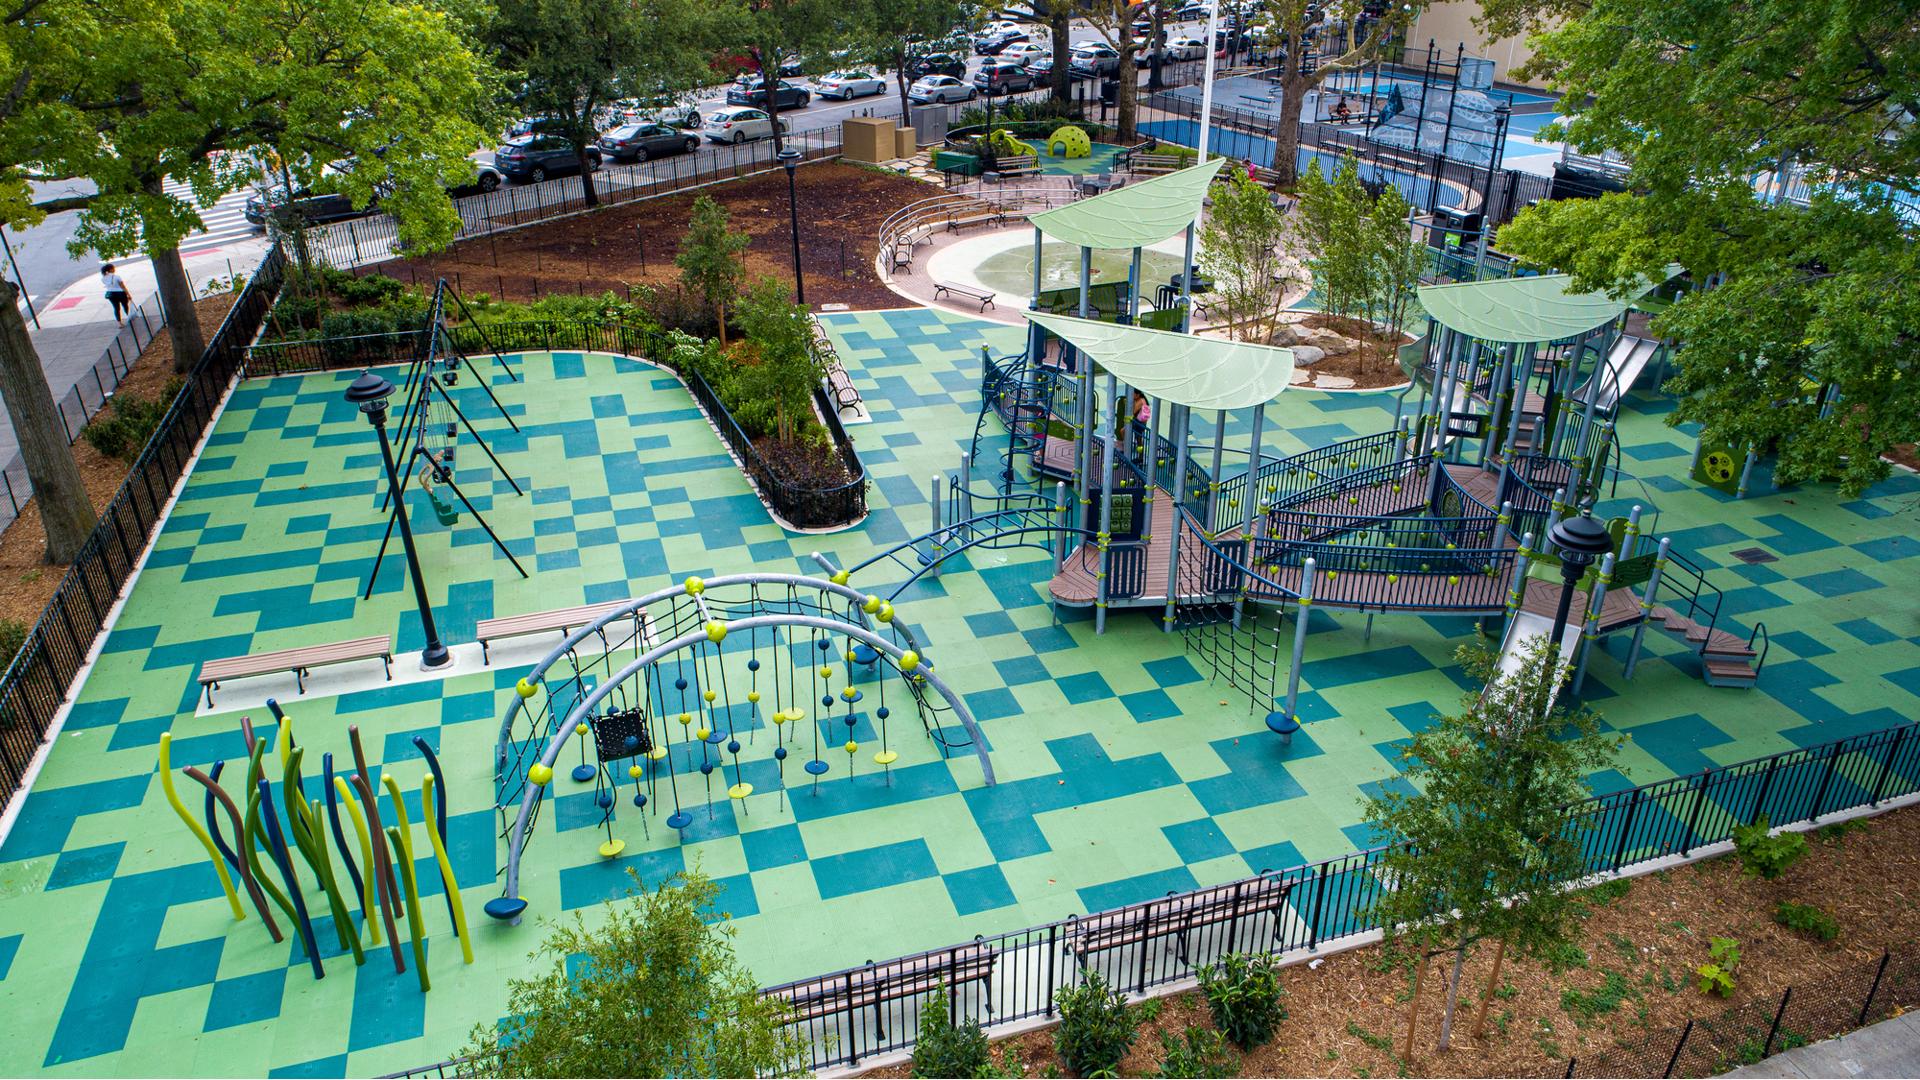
<point>693,699</point>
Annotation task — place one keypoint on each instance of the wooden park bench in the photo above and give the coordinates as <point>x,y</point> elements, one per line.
<point>1018,165</point>
<point>941,288</point>
<point>299,661</point>
<point>544,622</point>
<point>1176,917</point>
<point>1154,164</point>
<point>875,984</point>
<point>968,217</point>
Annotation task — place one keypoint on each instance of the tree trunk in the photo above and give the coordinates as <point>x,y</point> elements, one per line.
<point>1286,135</point>
<point>720,316</point>
<point>770,99</point>
<point>1453,993</point>
<point>582,139</point>
<point>1493,983</point>
<point>1413,1008</point>
<point>1126,98</point>
<point>65,511</point>
<point>900,70</point>
<point>1060,25</point>
<point>176,300</point>
<point>1157,41</point>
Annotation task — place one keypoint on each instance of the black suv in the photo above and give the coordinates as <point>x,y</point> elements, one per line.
<point>936,64</point>
<point>314,208</point>
<point>785,95</point>
<point>535,157</point>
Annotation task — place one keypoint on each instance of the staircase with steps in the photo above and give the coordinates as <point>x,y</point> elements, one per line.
<point>1725,660</point>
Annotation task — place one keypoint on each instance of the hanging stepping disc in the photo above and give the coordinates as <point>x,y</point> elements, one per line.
<point>885,757</point>
<point>582,773</point>
<point>816,767</point>
<point>740,791</point>
<point>1281,724</point>
<point>679,819</point>
<point>505,908</point>
<point>864,654</point>
<point>611,848</point>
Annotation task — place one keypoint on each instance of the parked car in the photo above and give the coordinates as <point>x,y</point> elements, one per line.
<point>847,85</point>
<point>533,158</point>
<point>785,94</point>
<point>1024,52</point>
<point>1186,48</point>
<point>996,77</point>
<point>1042,72</point>
<point>1095,57</point>
<point>993,42</point>
<point>662,110</point>
<point>1190,12</point>
<point>941,89</point>
<point>738,125</point>
<point>638,142</point>
<point>936,64</point>
<point>312,207</point>
<point>485,178</point>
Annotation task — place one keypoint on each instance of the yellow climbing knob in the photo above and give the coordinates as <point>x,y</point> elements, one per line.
<point>909,660</point>
<point>701,733</point>
<point>633,771</point>
<point>523,688</point>
<point>1392,578</point>
<point>753,697</point>
<point>1453,579</point>
<point>685,719</point>
<point>886,612</point>
<point>840,577</point>
<point>849,656</point>
<point>716,631</point>
<point>848,693</point>
<point>695,586</point>
<point>580,728</point>
<point>539,775</point>
<point>826,672</point>
<point>709,695</point>
<point>871,604</point>
<point>852,747</point>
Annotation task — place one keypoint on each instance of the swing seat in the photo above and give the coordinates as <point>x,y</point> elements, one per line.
<point>443,509</point>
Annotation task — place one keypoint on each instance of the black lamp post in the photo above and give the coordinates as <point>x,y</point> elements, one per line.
<point>371,392</point>
<point>1581,540</point>
<point>790,159</point>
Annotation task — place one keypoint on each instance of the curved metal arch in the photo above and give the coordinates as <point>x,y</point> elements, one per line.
<point>517,839</point>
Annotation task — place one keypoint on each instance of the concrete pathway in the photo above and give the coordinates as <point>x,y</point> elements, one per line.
<point>1890,1048</point>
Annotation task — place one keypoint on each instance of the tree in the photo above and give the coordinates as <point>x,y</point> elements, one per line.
<point>1482,838</point>
<point>782,361</point>
<point>890,26</point>
<point>1057,16</point>
<point>1237,242</point>
<point>709,259</point>
<point>227,94</point>
<point>1331,236</point>
<point>1805,296</point>
<point>1310,44</point>
<point>1113,20</point>
<point>654,990</point>
<point>772,30</point>
<point>66,512</point>
<point>1400,259</point>
<point>577,57</point>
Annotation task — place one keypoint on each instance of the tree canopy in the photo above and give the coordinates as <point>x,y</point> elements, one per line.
<point>1700,99</point>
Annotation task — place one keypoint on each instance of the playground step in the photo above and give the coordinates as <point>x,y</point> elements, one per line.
<point>1737,673</point>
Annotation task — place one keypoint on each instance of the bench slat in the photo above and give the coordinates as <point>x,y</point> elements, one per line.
<point>267,663</point>
<point>536,622</point>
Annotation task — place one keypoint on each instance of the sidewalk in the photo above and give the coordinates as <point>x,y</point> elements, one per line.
<point>1890,1048</point>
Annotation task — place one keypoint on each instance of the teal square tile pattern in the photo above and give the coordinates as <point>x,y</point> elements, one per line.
<point>1124,771</point>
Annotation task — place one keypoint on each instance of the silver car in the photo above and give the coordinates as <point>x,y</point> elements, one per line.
<point>847,85</point>
<point>941,89</point>
<point>740,123</point>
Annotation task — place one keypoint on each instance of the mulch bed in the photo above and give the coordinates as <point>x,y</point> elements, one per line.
<point>1632,979</point>
<point>27,580</point>
<point>1371,366</point>
<point>630,243</point>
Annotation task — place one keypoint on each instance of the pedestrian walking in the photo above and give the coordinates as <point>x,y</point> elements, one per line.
<point>116,291</point>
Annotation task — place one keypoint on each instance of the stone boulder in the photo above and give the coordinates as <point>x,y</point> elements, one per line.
<point>1304,355</point>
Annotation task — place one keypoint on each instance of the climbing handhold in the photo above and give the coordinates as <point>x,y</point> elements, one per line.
<point>909,660</point>
<point>695,586</point>
<point>753,697</point>
<point>633,772</point>
<point>539,775</point>
<point>871,604</point>
<point>716,631</point>
<point>885,614</point>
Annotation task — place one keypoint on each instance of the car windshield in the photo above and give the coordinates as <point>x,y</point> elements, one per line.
<point>627,131</point>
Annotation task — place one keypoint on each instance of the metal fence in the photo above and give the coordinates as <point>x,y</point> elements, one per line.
<point>37,681</point>
<point>1806,1012</point>
<point>875,1008</point>
<point>376,238</point>
<point>801,504</point>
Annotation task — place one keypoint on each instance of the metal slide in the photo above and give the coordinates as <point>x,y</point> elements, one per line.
<point>1612,380</point>
<point>1524,628</point>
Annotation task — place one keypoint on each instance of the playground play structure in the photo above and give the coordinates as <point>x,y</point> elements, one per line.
<point>685,679</point>
<point>1446,513</point>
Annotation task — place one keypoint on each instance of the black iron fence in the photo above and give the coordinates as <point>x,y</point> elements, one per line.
<point>37,681</point>
<point>804,504</point>
<point>875,1008</point>
<point>1812,1009</point>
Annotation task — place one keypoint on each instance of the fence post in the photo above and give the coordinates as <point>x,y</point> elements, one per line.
<point>1766,785</point>
<point>1886,767</point>
<point>1675,1059</point>
<point>1053,959</point>
<point>1693,819</point>
<point>1319,904</point>
<point>1867,1005</point>
<point>1626,829</point>
<point>1826,778</point>
<point>1766,1051</point>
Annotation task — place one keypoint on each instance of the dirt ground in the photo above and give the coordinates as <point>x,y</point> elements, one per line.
<point>27,580</point>
<point>1370,366</point>
<point>841,208</point>
<point>1631,980</point>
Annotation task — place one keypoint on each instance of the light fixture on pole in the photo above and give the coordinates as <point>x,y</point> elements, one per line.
<point>1206,81</point>
<point>1580,541</point>
<point>790,160</point>
<point>371,392</point>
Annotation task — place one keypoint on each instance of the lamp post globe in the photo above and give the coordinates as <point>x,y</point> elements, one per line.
<point>1580,541</point>
<point>370,392</point>
<point>790,160</point>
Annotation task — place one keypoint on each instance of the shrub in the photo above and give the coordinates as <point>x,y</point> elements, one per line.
<point>1243,991</point>
<point>1198,1053</point>
<point>13,637</point>
<point>1716,976</point>
<point>943,1048</point>
<point>1097,1027</point>
<point>371,289</point>
<point>129,422</point>
<point>295,312</point>
<point>1807,919</point>
<point>1766,854</point>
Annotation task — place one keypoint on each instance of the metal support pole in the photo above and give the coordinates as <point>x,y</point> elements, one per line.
<point>1177,429</point>
<point>1036,337</point>
<point>1250,495</point>
<point>1501,523</point>
<point>1746,473</point>
<point>1085,449</point>
<point>1105,536</point>
<point>1301,616</point>
<point>1517,588</point>
<point>1213,478</point>
<point>1646,608</point>
<point>939,541</point>
<point>1186,286</point>
<point>1060,519</point>
<point>1590,633</point>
